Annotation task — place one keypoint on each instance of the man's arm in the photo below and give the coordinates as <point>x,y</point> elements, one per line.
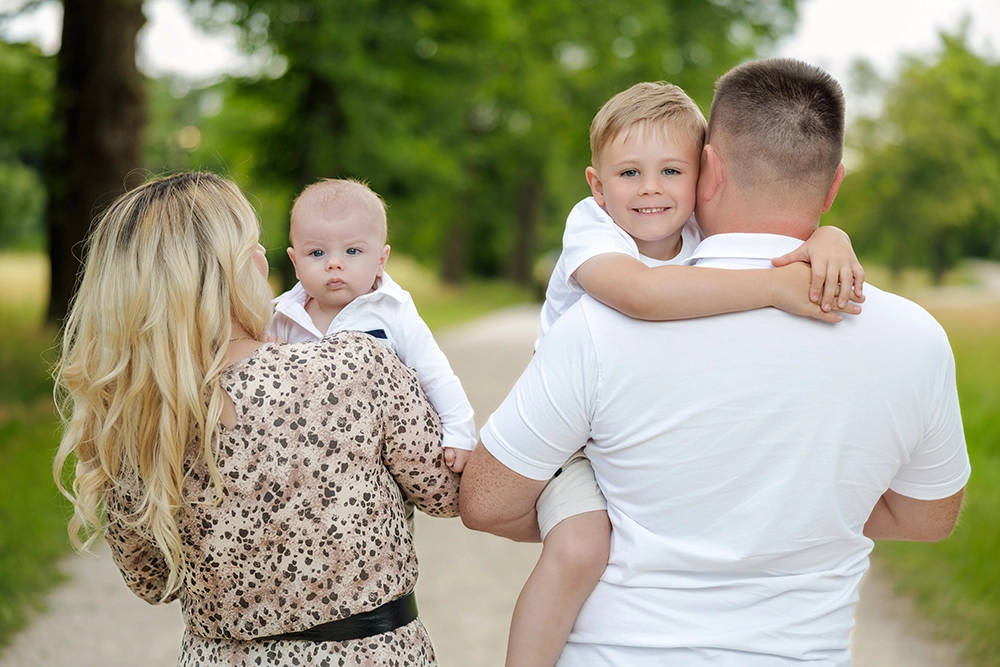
<point>495,499</point>
<point>898,517</point>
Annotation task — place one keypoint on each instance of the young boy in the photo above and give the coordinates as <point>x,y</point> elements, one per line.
<point>337,233</point>
<point>624,246</point>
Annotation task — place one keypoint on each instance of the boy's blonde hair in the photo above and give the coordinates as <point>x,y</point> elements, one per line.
<point>646,104</point>
<point>338,194</point>
<point>169,266</point>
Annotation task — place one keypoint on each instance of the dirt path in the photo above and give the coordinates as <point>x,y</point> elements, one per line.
<point>468,583</point>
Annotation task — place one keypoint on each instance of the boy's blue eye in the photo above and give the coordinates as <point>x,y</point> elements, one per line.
<point>670,171</point>
<point>353,251</point>
<point>316,253</point>
<point>629,173</point>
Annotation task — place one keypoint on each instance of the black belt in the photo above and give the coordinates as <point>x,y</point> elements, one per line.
<point>386,618</point>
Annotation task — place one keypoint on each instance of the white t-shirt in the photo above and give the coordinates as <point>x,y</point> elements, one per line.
<point>389,314</point>
<point>740,455</point>
<point>590,232</point>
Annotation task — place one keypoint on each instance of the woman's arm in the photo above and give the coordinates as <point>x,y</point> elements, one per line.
<point>413,452</point>
<point>141,563</point>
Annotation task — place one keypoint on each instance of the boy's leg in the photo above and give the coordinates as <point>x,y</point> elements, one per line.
<point>576,539</point>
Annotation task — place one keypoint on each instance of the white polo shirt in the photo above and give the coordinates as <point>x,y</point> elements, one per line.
<point>740,456</point>
<point>389,314</point>
<point>590,232</point>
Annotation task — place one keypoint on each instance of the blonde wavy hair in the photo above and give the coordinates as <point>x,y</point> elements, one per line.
<point>169,267</point>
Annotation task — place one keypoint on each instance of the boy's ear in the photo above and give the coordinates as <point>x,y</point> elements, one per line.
<point>838,178</point>
<point>596,186</point>
<point>710,174</point>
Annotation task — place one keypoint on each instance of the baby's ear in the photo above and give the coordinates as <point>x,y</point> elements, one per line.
<point>383,258</point>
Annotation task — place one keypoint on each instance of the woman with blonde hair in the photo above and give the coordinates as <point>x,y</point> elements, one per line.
<point>261,485</point>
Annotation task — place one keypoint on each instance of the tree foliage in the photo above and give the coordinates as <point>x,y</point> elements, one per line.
<point>925,193</point>
<point>470,117</point>
<point>27,79</point>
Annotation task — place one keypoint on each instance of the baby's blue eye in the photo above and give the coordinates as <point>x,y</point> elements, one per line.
<point>353,251</point>
<point>316,253</point>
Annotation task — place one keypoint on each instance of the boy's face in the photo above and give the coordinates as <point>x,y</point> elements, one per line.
<point>647,182</point>
<point>337,257</point>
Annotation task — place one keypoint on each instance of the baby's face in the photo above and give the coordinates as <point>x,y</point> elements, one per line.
<point>337,256</point>
<point>647,182</point>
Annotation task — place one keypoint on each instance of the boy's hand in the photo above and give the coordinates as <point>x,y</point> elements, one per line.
<point>790,294</point>
<point>837,277</point>
<point>456,458</point>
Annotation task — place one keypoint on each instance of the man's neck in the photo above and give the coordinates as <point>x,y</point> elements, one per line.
<point>748,217</point>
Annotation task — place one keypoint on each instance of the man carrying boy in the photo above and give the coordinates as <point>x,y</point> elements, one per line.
<point>748,460</point>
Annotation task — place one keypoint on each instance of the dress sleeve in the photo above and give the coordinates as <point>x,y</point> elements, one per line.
<point>141,563</point>
<point>412,449</point>
<point>418,350</point>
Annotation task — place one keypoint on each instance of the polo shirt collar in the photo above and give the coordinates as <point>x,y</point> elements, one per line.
<point>742,250</point>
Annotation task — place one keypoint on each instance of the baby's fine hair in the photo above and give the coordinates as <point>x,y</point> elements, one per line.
<point>647,104</point>
<point>341,194</point>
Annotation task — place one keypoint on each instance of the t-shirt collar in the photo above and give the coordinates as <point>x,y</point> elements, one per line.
<point>741,249</point>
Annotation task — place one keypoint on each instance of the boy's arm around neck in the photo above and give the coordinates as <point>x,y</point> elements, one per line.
<point>677,292</point>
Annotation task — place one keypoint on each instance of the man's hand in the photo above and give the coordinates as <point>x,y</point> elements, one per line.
<point>495,499</point>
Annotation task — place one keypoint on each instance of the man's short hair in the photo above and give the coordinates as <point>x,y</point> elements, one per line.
<point>649,104</point>
<point>779,122</point>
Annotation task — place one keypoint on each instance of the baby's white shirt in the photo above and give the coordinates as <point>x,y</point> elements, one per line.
<point>388,313</point>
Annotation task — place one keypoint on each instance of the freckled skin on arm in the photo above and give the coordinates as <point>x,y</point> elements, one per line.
<point>497,500</point>
<point>898,517</point>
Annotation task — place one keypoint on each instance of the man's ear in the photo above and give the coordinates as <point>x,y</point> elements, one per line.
<point>838,178</point>
<point>596,186</point>
<point>711,174</point>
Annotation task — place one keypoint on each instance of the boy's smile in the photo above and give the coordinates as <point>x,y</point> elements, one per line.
<point>647,182</point>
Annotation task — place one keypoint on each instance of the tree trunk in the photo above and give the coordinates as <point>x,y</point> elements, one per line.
<point>525,232</point>
<point>101,113</point>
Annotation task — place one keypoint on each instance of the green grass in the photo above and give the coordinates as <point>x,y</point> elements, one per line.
<point>33,515</point>
<point>956,583</point>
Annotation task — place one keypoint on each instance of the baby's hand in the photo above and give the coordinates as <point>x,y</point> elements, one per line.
<point>837,277</point>
<point>791,288</point>
<point>456,458</point>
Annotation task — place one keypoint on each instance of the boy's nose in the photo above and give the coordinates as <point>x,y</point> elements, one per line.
<point>650,185</point>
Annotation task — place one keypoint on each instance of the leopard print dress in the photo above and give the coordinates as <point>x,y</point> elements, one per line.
<point>331,438</point>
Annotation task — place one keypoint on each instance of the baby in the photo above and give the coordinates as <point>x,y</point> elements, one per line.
<point>625,246</point>
<point>338,247</point>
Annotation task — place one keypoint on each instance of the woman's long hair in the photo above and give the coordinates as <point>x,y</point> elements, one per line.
<point>144,347</point>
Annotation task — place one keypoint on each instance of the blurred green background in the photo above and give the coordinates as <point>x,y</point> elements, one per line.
<point>471,118</point>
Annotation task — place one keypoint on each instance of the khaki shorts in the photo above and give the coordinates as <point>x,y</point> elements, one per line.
<point>573,490</point>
